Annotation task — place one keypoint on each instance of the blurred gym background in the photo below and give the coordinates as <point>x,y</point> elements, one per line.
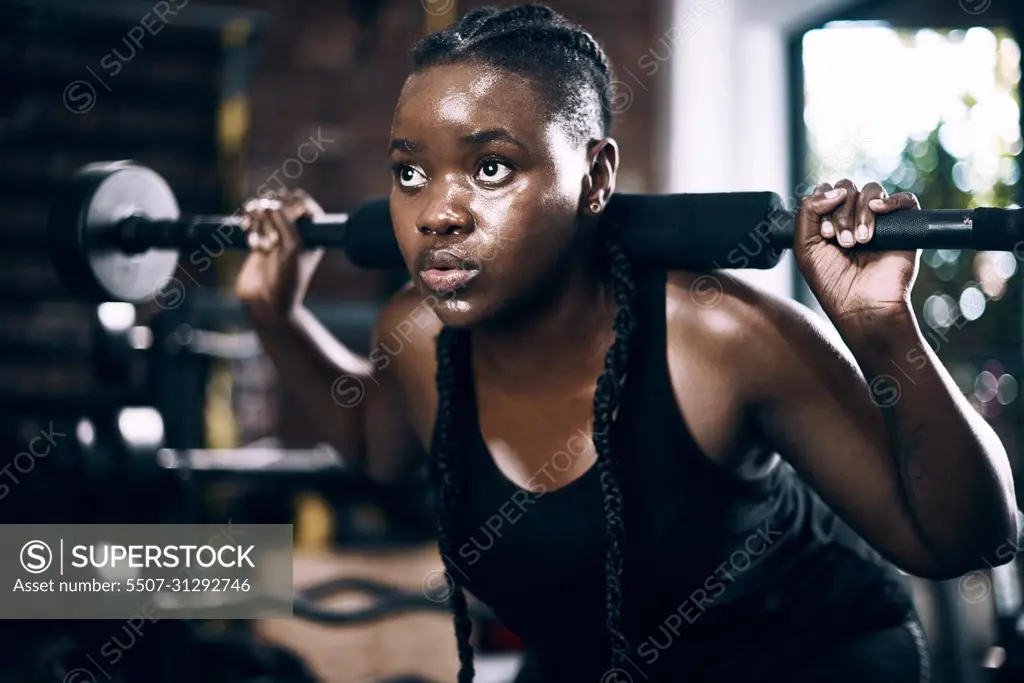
<point>226,98</point>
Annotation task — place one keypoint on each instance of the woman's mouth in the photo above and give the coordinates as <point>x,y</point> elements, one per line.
<point>441,280</point>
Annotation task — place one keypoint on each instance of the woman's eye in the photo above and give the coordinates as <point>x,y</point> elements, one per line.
<point>411,176</point>
<point>493,171</point>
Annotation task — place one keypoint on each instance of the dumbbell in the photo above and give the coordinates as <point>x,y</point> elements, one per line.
<point>117,232</point>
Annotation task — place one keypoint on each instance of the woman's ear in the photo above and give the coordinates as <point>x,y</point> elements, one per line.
<point>604,164</point>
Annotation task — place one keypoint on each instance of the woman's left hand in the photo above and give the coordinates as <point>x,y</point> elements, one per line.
<point>851,284</point>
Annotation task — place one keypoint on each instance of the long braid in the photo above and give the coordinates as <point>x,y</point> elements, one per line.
<point>607,398</point>
<point>447,470</point>
<point>536,42</point>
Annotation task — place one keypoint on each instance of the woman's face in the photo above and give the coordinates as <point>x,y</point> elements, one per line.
<point>486,190</point>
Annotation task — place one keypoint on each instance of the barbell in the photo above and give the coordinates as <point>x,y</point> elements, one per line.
<point>116,233</point>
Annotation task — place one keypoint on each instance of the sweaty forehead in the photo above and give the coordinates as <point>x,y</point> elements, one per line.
<point>468,96</point>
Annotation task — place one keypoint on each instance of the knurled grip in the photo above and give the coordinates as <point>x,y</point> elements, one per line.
<point>901,230</point>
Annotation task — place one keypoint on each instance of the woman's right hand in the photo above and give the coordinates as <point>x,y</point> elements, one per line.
<point>275,276</point>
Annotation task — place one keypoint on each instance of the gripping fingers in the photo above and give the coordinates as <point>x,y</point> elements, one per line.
<point>897,202</point>
<point>821,205</point>
<point>262,236</point>
<point>295,205</point>
<point>828,230</point>
<point>816,209</point>
<point>271,220</point>
<point>844,214</point>
<point>865,218</point>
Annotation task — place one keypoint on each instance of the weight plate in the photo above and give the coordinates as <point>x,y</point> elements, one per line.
<point>99,197</point>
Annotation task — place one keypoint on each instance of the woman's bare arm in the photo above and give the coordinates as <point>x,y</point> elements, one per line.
<point>358,409</point>
<point>907,462</point>
<point>358,404</point>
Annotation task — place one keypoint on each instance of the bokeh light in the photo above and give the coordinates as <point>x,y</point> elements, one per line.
<point>963,87</point>
<point>1007,389</point>
<point>940,311</point>
<point>972,303</point>
<point>951,134</point>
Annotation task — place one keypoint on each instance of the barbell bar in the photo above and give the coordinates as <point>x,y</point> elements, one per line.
<point>116,233</point>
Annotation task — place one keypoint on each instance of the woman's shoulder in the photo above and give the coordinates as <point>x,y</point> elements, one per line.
<point>728,339</point>
<point>403,354</point>
<point>409,314</point>
<point>405,335</point>
<point>714,306</point>
<point>736,318</point>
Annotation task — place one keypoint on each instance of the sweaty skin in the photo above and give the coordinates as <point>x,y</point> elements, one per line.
<point>482,171</point>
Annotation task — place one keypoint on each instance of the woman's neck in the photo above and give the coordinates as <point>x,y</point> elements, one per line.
<point>562,334</point>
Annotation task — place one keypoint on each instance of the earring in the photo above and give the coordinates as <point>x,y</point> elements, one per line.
<point>595,207</point>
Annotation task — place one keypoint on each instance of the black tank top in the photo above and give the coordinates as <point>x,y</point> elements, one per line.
<point>723,579</point>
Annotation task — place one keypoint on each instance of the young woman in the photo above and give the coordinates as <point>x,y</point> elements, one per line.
<point>649,476</point>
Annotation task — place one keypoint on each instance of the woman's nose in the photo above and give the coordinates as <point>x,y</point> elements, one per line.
<point>445,216</point>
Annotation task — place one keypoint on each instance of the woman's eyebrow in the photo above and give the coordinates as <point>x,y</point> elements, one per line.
<point>483,137</point>
<point>474,139</point>
<point>403,145</point>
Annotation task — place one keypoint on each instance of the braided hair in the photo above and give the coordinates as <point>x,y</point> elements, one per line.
<point>535,42</point>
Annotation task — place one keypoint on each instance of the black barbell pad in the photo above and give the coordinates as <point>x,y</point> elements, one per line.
<point>698,231</point>
<point>369,239</point>
<point>726,230</point>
